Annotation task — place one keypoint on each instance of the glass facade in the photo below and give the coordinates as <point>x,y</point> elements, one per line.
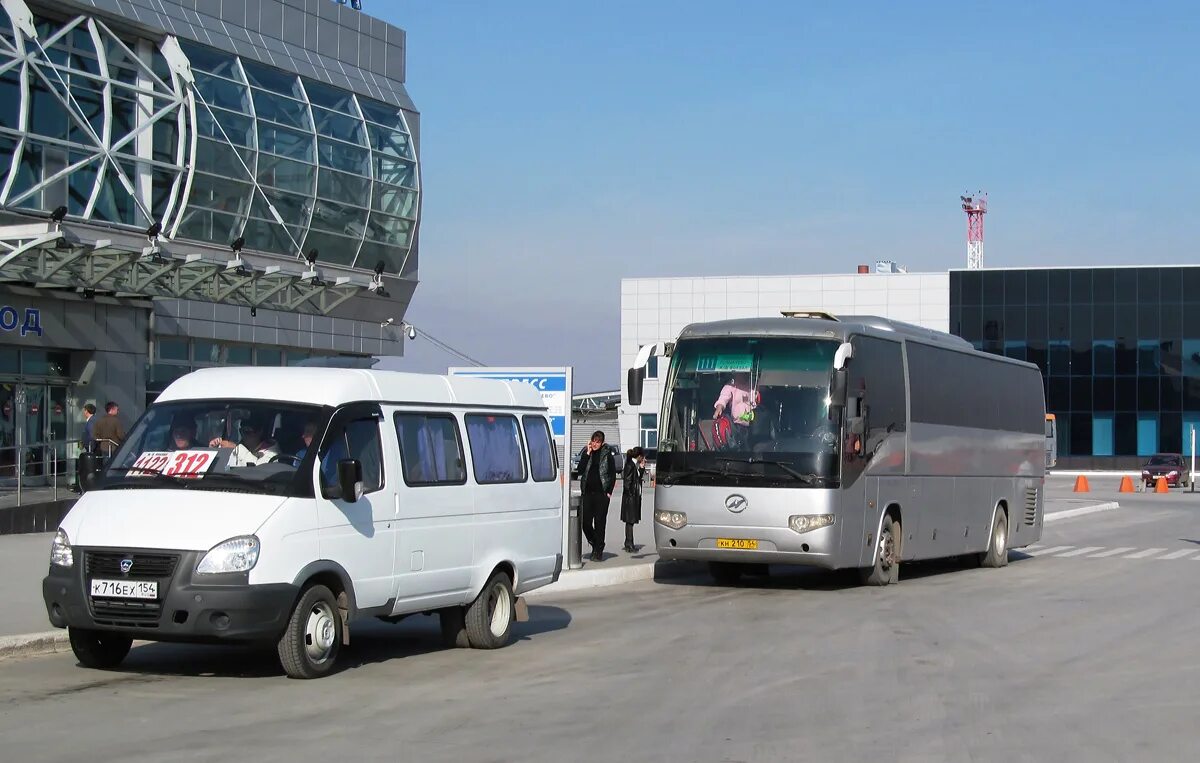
<point>1120,361</point>
<point>286,162</point>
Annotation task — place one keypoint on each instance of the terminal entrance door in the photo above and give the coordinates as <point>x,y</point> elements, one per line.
<point>33,431</point>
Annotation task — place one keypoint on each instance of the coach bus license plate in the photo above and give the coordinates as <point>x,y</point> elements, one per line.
<point>739,543</point>
<point>126,589</point>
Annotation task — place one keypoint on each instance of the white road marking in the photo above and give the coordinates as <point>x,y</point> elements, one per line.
<point>1178,554</point>
<point>1144,554</point>
<point>1080,551</point>
<point>1051,550</point>
<point>1112,552</point>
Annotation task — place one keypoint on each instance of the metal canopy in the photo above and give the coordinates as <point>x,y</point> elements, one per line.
<point>46,256</point>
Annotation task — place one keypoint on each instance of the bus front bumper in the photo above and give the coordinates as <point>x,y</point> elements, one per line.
<point>769,545</point>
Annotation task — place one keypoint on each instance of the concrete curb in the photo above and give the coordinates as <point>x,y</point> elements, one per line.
<point>1068,513</point>
<point>30,644</point>
<point>583,580</point>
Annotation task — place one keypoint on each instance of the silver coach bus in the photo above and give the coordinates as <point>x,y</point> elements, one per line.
<point>857,442</point>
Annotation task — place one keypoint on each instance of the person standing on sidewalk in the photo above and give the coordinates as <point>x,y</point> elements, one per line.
<point>108,432</point>
<point>597,477</point>
<point>631,493</point>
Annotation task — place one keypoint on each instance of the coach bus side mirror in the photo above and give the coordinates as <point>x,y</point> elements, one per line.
<point>837,391</point>
<point>634,386</point>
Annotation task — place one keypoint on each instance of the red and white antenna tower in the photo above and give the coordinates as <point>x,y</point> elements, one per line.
<point>975,207</point>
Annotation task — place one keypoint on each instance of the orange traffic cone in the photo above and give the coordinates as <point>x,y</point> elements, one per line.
<point>1160,485</point>
<point>1081,485</point>
<point>1126,484</point>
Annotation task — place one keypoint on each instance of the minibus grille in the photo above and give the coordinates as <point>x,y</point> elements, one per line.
<point>128,613</point>
<point>108,564</point>
<point>1031,504</point>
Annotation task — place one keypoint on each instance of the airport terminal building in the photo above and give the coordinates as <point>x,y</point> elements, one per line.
<point>189,183</point>
<point>1119,347</point>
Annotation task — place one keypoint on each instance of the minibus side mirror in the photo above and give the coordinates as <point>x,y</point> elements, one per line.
<point>86,468</point>
<point>350,479</point>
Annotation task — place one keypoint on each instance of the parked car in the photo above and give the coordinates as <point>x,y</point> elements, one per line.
<point>1173,466</point>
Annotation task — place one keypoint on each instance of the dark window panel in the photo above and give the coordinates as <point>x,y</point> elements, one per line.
<point>1037,354</point>
<point>1081,358</point>
<point>993,287</point>
<point>1059,396</point>
<point>972,288</point>
<point>1171,320</point>
<point>1126,393</point>
<point>1147,285</point>
<point>1014,287</point>
<point>1170,284</point>
<point>1060,321</point>
<point>1060,359</point>
<point>1014,322</point>
<point>1171,357</point>
<point>1125,434</point>
<point>1036,320</point>
<point>972,323</point>
<point>1102,394</point>
<point>993,324</point>
<point>1103,315</point>
<point>955,289</point>
<point>1191,394</point>
<point>1060,287</point>
<point>1036,285</point>
<point>1170,434</point>
<point>1081,393</point>
<point>955,319</point>
<point>1104,285</point>
<point>1015,350</point>
<point>1125,321</point>
<point>1081,434</point>
<point>1147,393</point>
<point>1081,287</point>
<point>1081,324</point>
<point>1191,284</point>
<point>1127,359</point>
<point>1148,358</point>
<point>1148,320</point>
<point>1170,393</point>
<point>1104,358</point>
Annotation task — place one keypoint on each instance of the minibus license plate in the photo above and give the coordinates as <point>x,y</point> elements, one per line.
<point>740,543</point>
<point>125,589</point>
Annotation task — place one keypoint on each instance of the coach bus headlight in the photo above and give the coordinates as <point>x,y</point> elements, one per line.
<point>676,520</point>
<point>803,523</point>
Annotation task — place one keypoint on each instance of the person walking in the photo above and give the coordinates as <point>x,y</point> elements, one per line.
<point>631,493</point>
<point>88,440</point>
<point>597,477</point>
<point>108,432</point>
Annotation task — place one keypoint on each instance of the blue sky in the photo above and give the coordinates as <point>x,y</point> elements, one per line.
<point>566,145</point>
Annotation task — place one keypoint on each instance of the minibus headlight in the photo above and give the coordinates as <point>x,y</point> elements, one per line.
<point>676,520</point>
<point>803,523</point>
<point>60,550</point>
<point>233,555</point>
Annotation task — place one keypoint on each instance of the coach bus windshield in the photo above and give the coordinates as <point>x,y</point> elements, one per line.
<point>749,412</point>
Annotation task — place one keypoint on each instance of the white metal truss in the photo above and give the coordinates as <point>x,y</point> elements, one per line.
<point>156,100</point>
<point>47,256</point>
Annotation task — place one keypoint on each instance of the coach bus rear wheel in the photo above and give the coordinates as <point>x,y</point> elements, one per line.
<point>725,573</point>
<point>997,553</point>
<point>887,556</point>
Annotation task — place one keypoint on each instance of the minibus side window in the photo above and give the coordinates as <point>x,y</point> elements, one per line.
<point>496,452</point>
<point>430,449</point>
<point>542,455</point>
<point>358,439</point>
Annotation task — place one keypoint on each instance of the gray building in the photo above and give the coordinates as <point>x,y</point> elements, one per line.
<point>188,183</point>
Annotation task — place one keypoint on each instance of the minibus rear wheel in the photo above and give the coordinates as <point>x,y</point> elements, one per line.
<point>490,616</point>
<point>98,649</point>
<point>313,638</point>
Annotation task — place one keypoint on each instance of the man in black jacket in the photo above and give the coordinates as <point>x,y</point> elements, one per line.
<point>597,476</point>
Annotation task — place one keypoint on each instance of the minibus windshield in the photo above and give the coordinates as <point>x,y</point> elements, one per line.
<point>244,446</point>
<point>749,411</point>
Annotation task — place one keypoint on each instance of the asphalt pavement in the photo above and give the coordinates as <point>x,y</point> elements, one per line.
<point>1081,649</point>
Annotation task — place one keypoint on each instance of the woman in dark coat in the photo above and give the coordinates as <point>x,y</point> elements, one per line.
<point>631,496</point>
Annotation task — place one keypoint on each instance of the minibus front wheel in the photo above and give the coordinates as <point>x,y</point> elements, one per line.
<point>98,649</point>
<point>313,637</point>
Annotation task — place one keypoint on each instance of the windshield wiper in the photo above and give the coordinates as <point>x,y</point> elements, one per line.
<point>786,466</point>
<point>672,477</point>
<point>150,473</point>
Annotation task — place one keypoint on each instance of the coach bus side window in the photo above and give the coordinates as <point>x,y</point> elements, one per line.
<point>877,373</point>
